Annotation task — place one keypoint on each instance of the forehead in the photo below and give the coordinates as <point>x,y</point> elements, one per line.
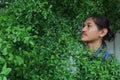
<point>89,21</point>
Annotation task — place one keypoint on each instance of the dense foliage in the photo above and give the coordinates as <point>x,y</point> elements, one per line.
<point>40,40</point>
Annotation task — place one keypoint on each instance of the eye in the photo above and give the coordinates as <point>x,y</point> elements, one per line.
<point>89,25</point>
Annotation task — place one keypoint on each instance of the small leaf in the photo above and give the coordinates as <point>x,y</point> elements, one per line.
<point>32,43</point>
<point>2,60</point>
<point>5,70</point>
<point>0,77</point>
<point>4,51</point>
<point>19,60</point>
<point>4,78</point>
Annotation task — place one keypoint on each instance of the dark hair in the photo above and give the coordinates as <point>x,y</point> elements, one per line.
<point>102,22</point>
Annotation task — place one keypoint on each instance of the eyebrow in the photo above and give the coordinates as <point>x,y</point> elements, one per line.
<point>87,23</point>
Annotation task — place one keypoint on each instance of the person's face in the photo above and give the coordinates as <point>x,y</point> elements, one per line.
<point>90,31</point>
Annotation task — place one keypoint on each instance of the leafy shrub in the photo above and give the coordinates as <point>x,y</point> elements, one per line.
<point>40,41</point>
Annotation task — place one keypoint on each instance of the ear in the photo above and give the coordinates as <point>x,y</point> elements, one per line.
<point>103,32</point>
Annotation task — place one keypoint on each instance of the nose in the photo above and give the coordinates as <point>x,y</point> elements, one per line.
<point>84,28</point>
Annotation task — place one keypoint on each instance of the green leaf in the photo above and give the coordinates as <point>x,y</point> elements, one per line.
<point>2,60</point>
<point>5,70</point>
<point>4,78</point>
<point>4,51</point>
<point>19,60</point>
<point>0,77</point>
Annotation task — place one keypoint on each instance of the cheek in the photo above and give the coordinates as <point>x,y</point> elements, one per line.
<point>94,30</point>
<point>93,33</point>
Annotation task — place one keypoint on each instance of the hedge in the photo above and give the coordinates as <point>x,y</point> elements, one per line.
<point>40,40</point>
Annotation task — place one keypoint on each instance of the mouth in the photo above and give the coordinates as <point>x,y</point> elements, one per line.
<point>83,35</point>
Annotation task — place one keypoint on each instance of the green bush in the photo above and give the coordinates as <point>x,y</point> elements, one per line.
<point>40,40</point>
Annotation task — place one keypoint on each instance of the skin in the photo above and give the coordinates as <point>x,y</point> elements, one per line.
<point>92,35</point>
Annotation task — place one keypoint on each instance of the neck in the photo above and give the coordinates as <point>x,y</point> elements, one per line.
<point>93,46</point>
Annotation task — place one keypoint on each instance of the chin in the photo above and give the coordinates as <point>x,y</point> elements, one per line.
<point>84,40</point>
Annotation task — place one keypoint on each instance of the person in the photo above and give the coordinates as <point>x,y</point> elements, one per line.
<point>96,30</point>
